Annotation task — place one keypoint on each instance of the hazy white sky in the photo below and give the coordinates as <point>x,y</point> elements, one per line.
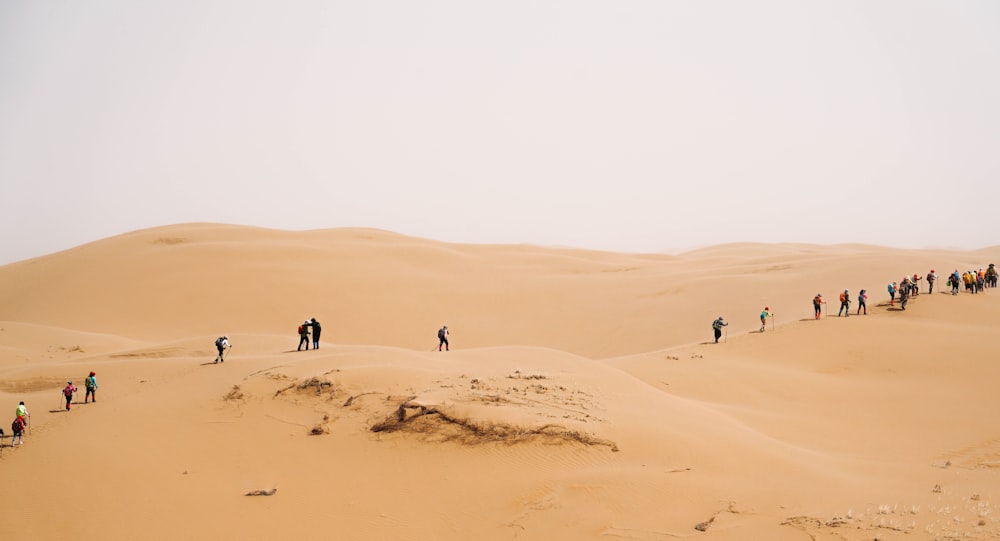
<point>630,126</point>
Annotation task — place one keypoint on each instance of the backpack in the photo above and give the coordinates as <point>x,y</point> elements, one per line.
<point>68,391</point>
<point>440,334</point>
<point>89,383</point>
<point>218,342</point>
<point>16,426</point>
<point>843,297</point>
<point>301,328</point>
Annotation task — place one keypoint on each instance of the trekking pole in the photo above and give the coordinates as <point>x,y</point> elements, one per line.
<point>726,339</point>
<point>772,322</point>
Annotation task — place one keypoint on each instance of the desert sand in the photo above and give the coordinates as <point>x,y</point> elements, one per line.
<point>582,398</point>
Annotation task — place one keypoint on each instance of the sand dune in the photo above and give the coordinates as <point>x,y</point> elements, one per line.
<point>582,398</point>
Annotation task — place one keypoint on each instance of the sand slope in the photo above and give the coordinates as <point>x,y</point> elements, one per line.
<point>582,399</point>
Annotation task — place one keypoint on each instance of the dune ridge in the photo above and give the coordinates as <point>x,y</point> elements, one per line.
<point>582,398</point>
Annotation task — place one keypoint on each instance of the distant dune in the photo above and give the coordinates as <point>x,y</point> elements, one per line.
<point>582,398</point>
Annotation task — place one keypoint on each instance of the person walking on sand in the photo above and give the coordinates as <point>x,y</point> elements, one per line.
<point>863,302</point>
<point>818,303</point>
<point>931,278</point>
<point>845,303</point>
<point>763,318</point>
<point>955,281</point>
<point>304,335</point>
<point>904,295</point>
<point>17,427</point>
<point>717,326</point>
<point>68,393</point>
<point>916,285</point>
<point>90,383</point>
<point>221,343</point>
<point>892,293</point>
<point>22,412</point>
<point>443,338</point>
<point>991,276</point>
<point>316,330</point>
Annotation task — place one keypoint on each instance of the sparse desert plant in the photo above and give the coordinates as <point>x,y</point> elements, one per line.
<point>438,425</point>
<point>234,394</point>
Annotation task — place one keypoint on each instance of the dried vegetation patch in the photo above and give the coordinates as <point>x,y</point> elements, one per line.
<point>437,425</point>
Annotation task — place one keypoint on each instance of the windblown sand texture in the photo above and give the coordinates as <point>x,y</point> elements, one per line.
<point>582,398</point>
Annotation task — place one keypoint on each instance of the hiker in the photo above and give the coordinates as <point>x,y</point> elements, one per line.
<point>980,279</point>
<point>991,276</point>
<point>904,295</point>
<point>967,280</point>
<point>892,293</point>
<point>443,338</point>
<point>22,413</point>
<point>818,303</point>
<point>931,278</point>
<point>17,427</point>
<point>862,302</point>
<point>68,393</point>
<point>221,343</point>
<point>304,335</point>
<point>845,303</point>
<point>916,285</point>
<point>955,281</point>
<point>763,318</point>
<point>91,385</point>
<point>316,330</point>
<point>717,326</point>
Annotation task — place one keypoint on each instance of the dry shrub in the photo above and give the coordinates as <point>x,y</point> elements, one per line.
<point>518,375</point>
<point>234,394</point>
<point>437,425</point>
<point>319,385</point>
<point>312,385</point>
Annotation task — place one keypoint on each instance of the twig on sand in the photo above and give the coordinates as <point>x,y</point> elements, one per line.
<point>261,492</point>
<point>351,399</point>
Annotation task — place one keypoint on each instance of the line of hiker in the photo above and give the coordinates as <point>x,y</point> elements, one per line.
<point>309,334</point>
<point>974,281</point>
<point>903,291</point>
<point>22,418</point>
